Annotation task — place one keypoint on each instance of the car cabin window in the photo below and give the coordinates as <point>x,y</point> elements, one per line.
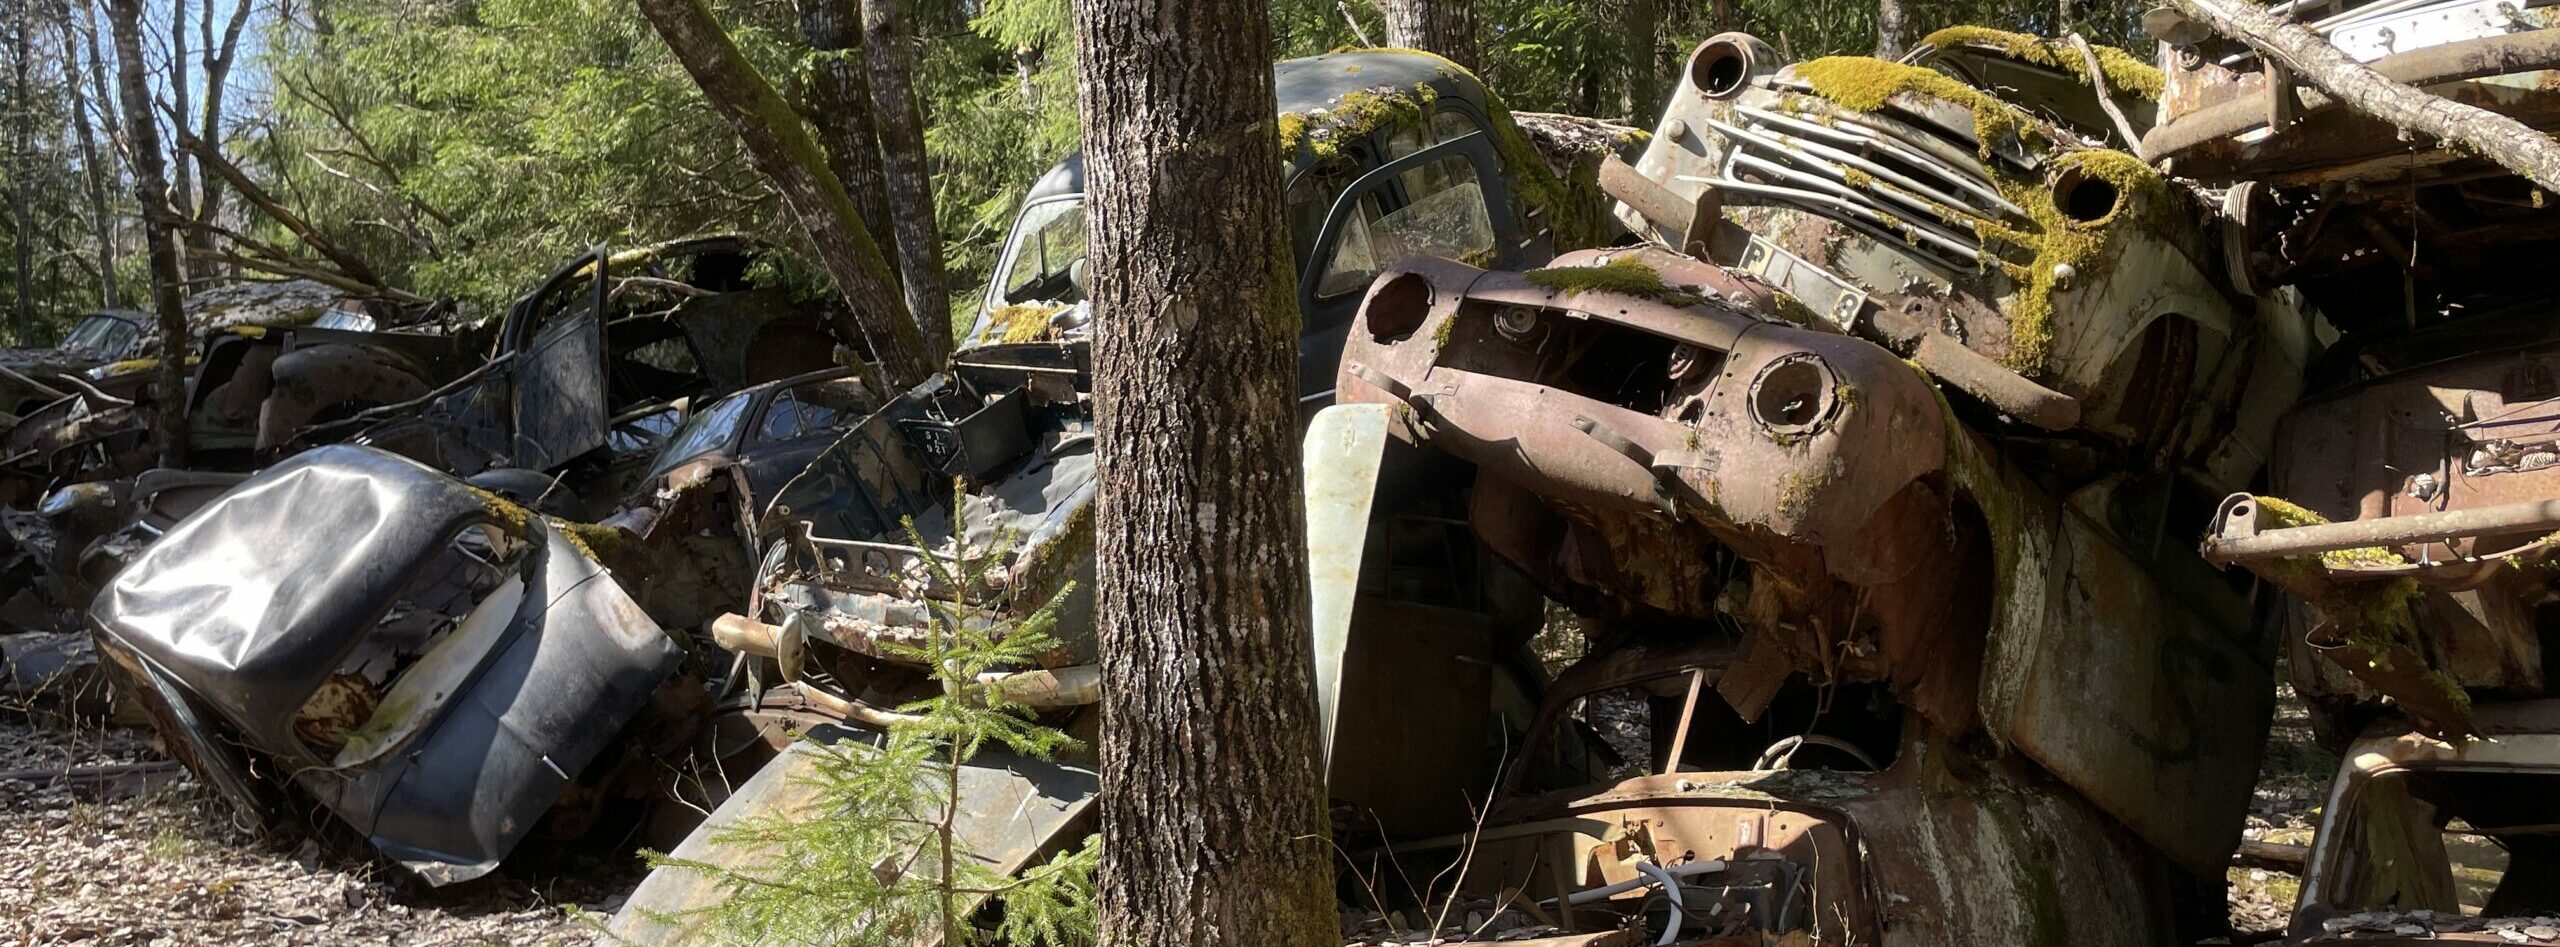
<point>1443,215</point>
<point>782,421</point>
<point>815,408</point>
<point>1311,197</point>
<point>702,433</point>
<point>645,431</point>
<point>1048,242</point>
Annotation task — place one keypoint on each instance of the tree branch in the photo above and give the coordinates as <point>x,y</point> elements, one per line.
<point>2504,140</point>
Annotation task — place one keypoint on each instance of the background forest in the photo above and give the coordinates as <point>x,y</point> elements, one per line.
<point>460,148</point>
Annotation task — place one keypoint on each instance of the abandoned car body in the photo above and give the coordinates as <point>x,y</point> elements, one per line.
<point>610,336</point>
<point>2069,288</point>
<point>2432,840</point>
<point>430,663</point>
<point>1389,154</point>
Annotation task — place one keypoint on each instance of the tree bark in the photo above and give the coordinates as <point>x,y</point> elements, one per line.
<point>184,196</point>
<point>218,60</point>
<point>22,185</point>
<point>838,105</point>
<point>1643,62</point>
<point>1447,27</point>
<point>783,152</point>
<point>2512,144</point>
<point>97,171</point>
<point>1893,29</point>
<point>1212,806</point>
<point>893,101</point>
<point>159,227</point>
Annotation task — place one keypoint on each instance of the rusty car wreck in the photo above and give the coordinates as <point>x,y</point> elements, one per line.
<point>1933,471</point>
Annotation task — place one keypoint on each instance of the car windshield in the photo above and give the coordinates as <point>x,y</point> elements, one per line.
<point>702,433</point>
<point>99,334</point>
<point>1049,240</point>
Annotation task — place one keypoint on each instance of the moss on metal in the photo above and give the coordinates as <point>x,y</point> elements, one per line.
<point>1625,275</point>
<point>1867,84</point>
<point>1021,322</point>
<point>2123,72</point>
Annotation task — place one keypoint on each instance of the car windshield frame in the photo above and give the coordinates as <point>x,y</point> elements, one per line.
<point>705,431</point>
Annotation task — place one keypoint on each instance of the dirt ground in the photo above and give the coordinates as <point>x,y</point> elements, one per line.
<point>2293,775</point>
<point>153,860</point>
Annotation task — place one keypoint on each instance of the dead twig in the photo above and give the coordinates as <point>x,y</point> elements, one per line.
<point>2106,97</point>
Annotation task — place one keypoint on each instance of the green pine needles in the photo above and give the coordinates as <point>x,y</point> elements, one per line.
<point>869,852</point>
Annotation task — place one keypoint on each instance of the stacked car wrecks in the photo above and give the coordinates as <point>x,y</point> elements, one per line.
<point>1867,428</point>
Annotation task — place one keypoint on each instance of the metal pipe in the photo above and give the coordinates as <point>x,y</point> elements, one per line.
<point>1670,889</point>
<point>1076,686</point>
<point>2530,516</point>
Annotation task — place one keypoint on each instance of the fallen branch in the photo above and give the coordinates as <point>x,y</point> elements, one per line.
<point>212,160</point>
<point>2106,97</point>
<point>2509,143</point>
<point>324,277</point>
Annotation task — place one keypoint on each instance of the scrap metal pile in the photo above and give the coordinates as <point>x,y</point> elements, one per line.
<point>1882,429</point>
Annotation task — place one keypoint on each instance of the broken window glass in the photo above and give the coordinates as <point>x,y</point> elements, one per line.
<point>1444,216</point>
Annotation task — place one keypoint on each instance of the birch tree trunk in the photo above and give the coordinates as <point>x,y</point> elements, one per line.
<point>783,152</point>
<point>2512,144</point>
<point>893,101</point>
<point>218,59</point>
<point>1212,807</point>
<point>159,227</point>
<point>1447,27</point>
<point>839,107</point>
<point>1893,29</point>
<point>97,171</point>
<point>180,97</point>
<point>21,172</point>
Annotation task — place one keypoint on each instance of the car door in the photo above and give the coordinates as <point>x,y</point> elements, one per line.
<point>1446,200</point>
<point>559,409</point>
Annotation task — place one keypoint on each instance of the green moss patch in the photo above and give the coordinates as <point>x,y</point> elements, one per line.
<point>1022,322</point>
<point>1867,84</point>
<point>1625,275</point>
<point>2124,73</point>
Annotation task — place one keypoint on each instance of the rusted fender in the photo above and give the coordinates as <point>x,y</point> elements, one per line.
<point>1744,420</point>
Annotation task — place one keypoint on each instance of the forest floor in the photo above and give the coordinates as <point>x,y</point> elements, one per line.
<point>2293,780</point>
<point>156,861</point>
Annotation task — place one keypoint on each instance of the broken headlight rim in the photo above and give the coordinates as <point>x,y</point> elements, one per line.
<point>1792,395</point>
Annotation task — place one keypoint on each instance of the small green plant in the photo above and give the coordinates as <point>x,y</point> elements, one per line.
<point>874,858</point>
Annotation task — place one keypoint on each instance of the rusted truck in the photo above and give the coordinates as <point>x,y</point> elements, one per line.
<point>1875,501</point>
<point>2409,502</point>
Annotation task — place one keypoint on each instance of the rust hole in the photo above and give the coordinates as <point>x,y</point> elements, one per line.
<point>1398,307</point>
<point>1792,394</point>
<point>2084,197</point>
<point>1720,69</point>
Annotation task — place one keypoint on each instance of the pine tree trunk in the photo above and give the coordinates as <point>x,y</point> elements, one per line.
<point>839,106</point>
<point>1447,27</point>
<point>159,227</point>
<point>1893,29</point>
<point>96,171</point>
<point>893,100</point>
<point>2512,144</point>
<point>783,152</point>
<point>1212,806</point>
